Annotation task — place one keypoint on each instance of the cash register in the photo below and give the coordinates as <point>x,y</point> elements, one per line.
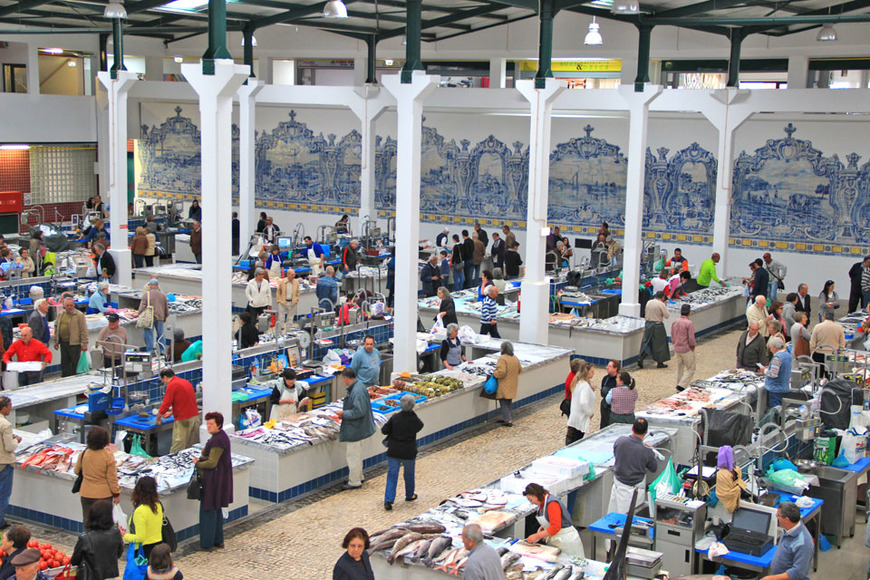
<point>749,532</point>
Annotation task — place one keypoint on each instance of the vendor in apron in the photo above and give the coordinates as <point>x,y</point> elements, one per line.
<point>632,460</point>
<point>556,529</point>
<point>285,395</point>
<point>451,348</point>
<point>315,254</point>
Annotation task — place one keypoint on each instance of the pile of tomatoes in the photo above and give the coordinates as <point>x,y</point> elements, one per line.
<point>51,557</point>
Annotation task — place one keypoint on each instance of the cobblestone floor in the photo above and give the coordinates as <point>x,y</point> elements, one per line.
<point>301,539</point>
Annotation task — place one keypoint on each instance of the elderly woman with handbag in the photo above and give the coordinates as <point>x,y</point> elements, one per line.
<point>507,372</point>
<point>216,468</point>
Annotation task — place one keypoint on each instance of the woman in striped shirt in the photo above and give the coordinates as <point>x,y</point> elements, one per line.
<point>622,399</point>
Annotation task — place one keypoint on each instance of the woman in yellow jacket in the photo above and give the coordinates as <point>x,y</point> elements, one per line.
<point>146,524</point>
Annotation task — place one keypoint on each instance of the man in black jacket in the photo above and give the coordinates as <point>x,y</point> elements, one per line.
<point>855,273</point>
<point>803,302</point>
<point>431,276</point>
<point>762,282</point>
<point>468,252</point>
<point>512,262</point>
<point>104,262</point>
<point>497,250</point>
<point>481,235</point>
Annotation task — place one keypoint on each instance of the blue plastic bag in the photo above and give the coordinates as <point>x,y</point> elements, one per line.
<point>490,386</point>
<point>137,564</point>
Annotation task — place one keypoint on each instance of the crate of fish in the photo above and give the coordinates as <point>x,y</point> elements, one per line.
<point>377,407</point>
<point>393,400</point>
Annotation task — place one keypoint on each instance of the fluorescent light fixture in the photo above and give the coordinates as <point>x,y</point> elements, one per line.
<point>14,147</point>
<point>827,33</point>
<point>52,50</point>
<point>184,6</point>
<point>253,40</point>
<point>593,37</point>
<point>178,59</point>
<point>388,62</point>
<point>71,63</point>
<point>335,9</point>
<point>114,10</point>
<point>625,7</point>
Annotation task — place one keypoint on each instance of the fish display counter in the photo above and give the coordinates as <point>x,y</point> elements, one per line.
<point>35,405</point>
<point>430,545</point>
<point>308,456</point>
<point>187,279</point>
<point>617,337</point>
<point>731,390</point>
<point>45,474</point>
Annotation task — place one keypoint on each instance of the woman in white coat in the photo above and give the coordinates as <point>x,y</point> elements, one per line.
<point>287,395</point>
<point>556,529</point>
<point>583,403</point>
<point>259,293</point>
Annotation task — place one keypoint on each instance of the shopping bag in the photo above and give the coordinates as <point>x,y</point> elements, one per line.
<point>83,366</point>
<point>146,317</point>
<point>194,488</point>
<point>668,482</point>
<point>136,448</point>
<point>167,533</point>
<point>137,563</point>
<point>565,407</point>
<point>491,385</point>
<point>120,518</point>
<point>438,326</point>
<point>853,445</point>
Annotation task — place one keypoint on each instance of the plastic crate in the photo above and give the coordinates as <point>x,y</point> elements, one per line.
<point>383,409</point>
<point>417,398</point>
<point>317,399</point>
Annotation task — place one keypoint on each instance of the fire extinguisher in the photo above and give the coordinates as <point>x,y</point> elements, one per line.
<point>272,320</point>
<point>519,302</point>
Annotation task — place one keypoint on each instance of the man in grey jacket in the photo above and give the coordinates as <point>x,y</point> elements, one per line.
<point>8,443</point>
<point>483,561</point>
<point>357,425</point>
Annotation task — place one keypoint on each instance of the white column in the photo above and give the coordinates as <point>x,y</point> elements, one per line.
<point>360,71</point>
<point>726,111</point>
<point>798,69</point>
<point>32,68</point>
<point>497,73</point>
<point>117,90</point>
<point>409,113</point>
<point>638,106</point>
<point>369,105</point>
<point>154,68</point>
<point>536,286</point>
<point>216,109</point>
<point>247,177</point>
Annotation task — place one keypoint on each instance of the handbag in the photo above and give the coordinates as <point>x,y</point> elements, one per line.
<point>77,484</point>
<point>137,563</point>
<point>146,317</point>
<point>194,488</point>
<point>565,407</point>
<point>167,532</point>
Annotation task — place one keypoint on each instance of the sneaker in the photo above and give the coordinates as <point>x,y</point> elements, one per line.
<point>412,498</point>
<point>388,505</point>
<point>680,389</point>
<point>348,486</point>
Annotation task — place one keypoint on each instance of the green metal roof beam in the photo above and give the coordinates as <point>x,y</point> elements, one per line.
<point>765,23</point>
<point>22,5</point>
<point>527,4</point>
<point>445,20</point>
<point>493,25</point>
<point>435,8</point>
<point>293,14</point>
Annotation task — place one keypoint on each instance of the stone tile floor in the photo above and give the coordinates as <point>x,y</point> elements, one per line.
<point>301,539</point>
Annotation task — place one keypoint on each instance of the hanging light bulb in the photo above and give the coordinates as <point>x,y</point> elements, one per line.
<point>253,40</point>
<point>827,33</point>
<point>593,37</point>
<point>114,10</point>
<point>335,9</point>
<point>625,7</point>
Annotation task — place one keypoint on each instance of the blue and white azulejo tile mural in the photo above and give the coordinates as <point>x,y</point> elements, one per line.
<point>786,195</point>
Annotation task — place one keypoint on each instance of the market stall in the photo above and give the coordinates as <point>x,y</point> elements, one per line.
<point>44,476</point>
<point>285,469</point>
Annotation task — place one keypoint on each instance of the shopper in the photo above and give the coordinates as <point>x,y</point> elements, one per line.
<point>287,395</point>
<point>112,341</point>
<point>249,333</point>
<point>778,375</point>
<point>217,483</point>
<point>179,402</point>
<point>8,443</point>
<point>38,321</point>
<point>556,528</point>
<point>632,461</point>
<point>236,228</point>
<point>573,366</point>
<point>160,566</point>
<point>507,371</point>
<point>401,430</point>
<point>27,565</point>
<point>856,274</point>
<point>582,403</point>
<point>151,249</point>
<point>37,251</point>
<point>608,382</point>
<point>794,553</point>
<point>451,348</point>
<point>138,247</point>
<point>483,562</point>
<point>99,473</point>
<point>104,262</point>
<point>800,336</point>
<point>489,313</point>
<point>259,293</point>
<point>447,308</point>
<point>326,290</point>
<point>196,241</point>
<point>179,344</point>
<point>751,349</point>
<point>28,349</point>
<point>485,282</point>
<point>430,276</point>
<point>622,399</point>
<point>156,299</point>
<point>655,338</point>
<point>756,312</point>
<point>194,212</point>
<point>70,336</point>
<point>287,297</point>
<point>146,523</point>
<point>357,425</point>
<point>366,362</point>
<point>828,299</point>
<point>683,337</point>
<point>827,337</point>
<point>457,261</point>
<point>354,564</point>
<point>27,267</point>
<point>12,542</point>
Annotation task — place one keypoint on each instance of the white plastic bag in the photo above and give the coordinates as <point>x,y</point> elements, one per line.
<point>467,335</point>
<point>422,345</point>
<point>120,518</point>
<point>854,445</point>
<point>331,358</point>
<point>717,549</point>
<point>438,326</point>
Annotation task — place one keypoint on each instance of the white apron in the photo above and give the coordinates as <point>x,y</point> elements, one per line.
<point>566,539</point>
<point>314,262</point>
<point>280,412</point>
<point>620,496</point>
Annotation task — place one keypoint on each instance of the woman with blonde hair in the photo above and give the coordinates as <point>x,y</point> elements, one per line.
<point>582,403</point>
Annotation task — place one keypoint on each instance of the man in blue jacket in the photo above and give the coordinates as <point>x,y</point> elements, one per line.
<point>327,290</point>
<point>357,425</point>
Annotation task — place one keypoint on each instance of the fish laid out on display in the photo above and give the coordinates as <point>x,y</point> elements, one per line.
<point>401,543</point>
<point>450,558</point>
<point>408,551</point>
<point>514,571</point>
<point>508,559</point>
<point>438,546</point>
<point>579,575</point>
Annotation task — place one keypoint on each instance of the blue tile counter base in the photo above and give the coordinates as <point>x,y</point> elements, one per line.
<point>76,527</point>
<point>339,474</point>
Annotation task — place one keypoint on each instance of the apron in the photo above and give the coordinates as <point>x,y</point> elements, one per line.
<point>314,262</point>
<point>454,354</point>
<point>620,496</point>
<point>567,539</point>
<point>281,412</point>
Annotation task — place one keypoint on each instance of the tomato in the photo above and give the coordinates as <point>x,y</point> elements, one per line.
<point>47,546</point>
<point>43,565</point>
<point>2,554</point>
<point>65,560</point>
<point>33,544</point>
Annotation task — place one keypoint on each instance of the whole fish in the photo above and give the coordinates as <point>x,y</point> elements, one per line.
<point>580,575</point>
<point>382,544</point>
<point>405,552</point>
<point>422,550</point>
<point>436,548</point>
<point>546,574</point>
<point>388,534</point>
<point>508,558</point>
<point>401,543</point>
<point>514,572</point>
<point>501,551</point>
<point>425,527</point>
<point>533,574</point>
<point>564,573</point>
<point>452,557</point>
<point>459,564</point>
